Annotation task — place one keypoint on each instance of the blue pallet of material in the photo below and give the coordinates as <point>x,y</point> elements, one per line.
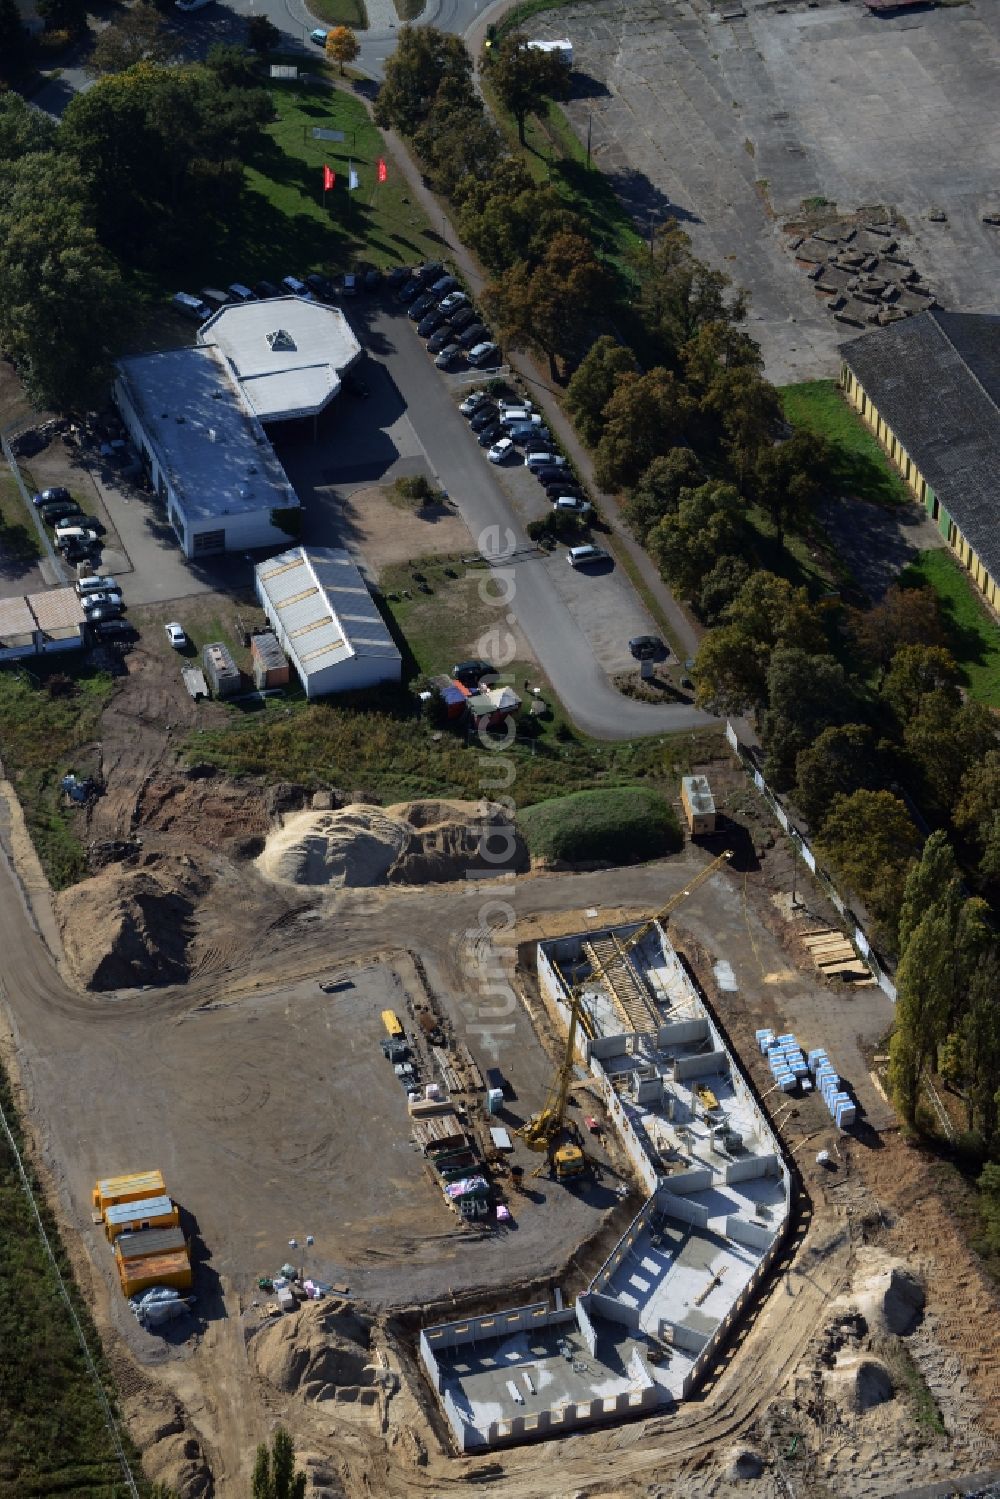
<point>786,1082</point>
<point>818,1054</point>
<point>764,1039</point>
<point>806,1085</point>
<point>846,1113</point>
<point>787,1040</point>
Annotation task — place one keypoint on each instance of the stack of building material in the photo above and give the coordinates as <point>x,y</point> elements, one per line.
<point>842,1108</point>
<point>143,1224</point>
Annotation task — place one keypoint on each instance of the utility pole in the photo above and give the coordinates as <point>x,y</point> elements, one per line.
<point>590,126</point>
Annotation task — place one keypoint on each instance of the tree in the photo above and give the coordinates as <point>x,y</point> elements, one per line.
<point>730,671</point>
<point>714,348</point>
<point>786,478</point>
<point>63,15</point>
<point>720,586</point>
<point>547,308</point>
<point>234,66</point>
<point>659,489</point>
<point>775,612</point>
<point>749,410</point>
<point>524,77</point>
<point>274,1475</point>
<point>24,131</point>
<point>688,540</point>
<point>132,37</point>
<point>593,384</point>
<point>943,742</point>
<point>843,759</point>
<point>916,670</point>
<point>342,46</point>
<point>805,694</point>
<point>977,812</point>
<point>457,145</point>
<point>13,40</point>
<point>644,418</point>
<point>506,217</point>
<point>262,35</point>
<point>679,294</point>
<point>870,840</point>
<point>903,616</point>
<point>424,59</point>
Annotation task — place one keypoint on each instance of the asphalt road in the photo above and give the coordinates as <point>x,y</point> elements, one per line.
<point>522,572</point>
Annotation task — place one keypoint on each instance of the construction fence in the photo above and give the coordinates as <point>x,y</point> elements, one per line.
<point>854,928</point>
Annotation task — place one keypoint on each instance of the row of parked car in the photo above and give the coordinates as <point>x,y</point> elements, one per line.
<point>444,316</point>
<point>313,287</point>
<point>79,538</point>
<point>507,427</point>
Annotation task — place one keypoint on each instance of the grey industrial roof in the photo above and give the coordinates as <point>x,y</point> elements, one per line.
<point>214,450</point>
<point>58,612</point>
<point>325,608</point>
<point>935,380</point>
<point>286,354</point>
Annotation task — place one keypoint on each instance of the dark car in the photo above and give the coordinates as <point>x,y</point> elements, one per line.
<point>52,497</point>
<point>104,616</point>
<point>444,285</point>
<point>647,648</point>
<point>430,324</point>
<point>487,436</point>
<point>474,334</point>
<point>320,286</point>
<point>486,416</point>
<point>523,432</point>
<point>440,340</point>
<point>409,290</point>
<point>107,628</point>
<point>550,475</point>
<point>420,307</point>
<point>447,356</point>
<point>462,318</point>
<point>471,673</point>
<point>397,277</point>
<point>372,278</point>
<point>428,272</point>
<point>266,290</point>
<point>59,510</point>
<point>562,486</point>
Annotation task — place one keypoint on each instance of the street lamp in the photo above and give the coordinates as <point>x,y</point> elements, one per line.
<point>294,1244</point>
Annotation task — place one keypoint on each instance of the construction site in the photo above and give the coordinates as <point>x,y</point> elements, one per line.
<point>551,1181</point>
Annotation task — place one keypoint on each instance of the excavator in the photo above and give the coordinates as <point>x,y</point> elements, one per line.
<point>549,1130</point>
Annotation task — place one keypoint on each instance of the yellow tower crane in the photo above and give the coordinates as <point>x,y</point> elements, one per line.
<point>547,1130</point>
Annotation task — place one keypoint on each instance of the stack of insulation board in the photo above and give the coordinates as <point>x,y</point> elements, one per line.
<point>840,1104</point>
<point>780,1070</point>
<point>143,1225</point>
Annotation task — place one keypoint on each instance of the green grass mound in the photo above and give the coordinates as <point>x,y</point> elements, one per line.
<point>620,826</point>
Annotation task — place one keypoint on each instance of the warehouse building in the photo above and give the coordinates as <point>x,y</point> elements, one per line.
<point>326,621</point>
<point>929,389</point>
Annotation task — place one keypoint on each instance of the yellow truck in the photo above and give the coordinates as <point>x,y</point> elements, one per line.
<point>393,1025</point>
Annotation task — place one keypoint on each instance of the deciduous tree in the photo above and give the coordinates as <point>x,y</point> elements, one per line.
<point>786,478</point>
<point>869,839</point>
<point>424,59</point>
<point>547,307</point>
<point>806,693</point>
<point>843,759</point>
<point>524,77</point>
<point>915,671</point>
<point>342,46</point>
<point>593,384</point>
<point>720,586</point>
<point>903,616</point>
<point>63,15</point>
<point>262,35</point>
<point>977,813</point>
<point>943,742</point>
<point>679,294</point>
<point>686,542</point>
<point>659,487</point>
<point>643,420</point>
<point>133,36</point>
<point>507,217</point>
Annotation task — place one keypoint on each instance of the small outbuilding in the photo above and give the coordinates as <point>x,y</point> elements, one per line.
<point>269,662</point>
<point>41,624</point>
<point>699,805</point>
<point>221,672</point>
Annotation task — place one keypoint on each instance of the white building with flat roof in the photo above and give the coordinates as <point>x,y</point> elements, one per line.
<point>206,452</point>
<point>285,355</point>
<point>326,621</point>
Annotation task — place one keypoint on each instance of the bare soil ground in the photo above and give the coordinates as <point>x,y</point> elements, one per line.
<point>388,532</point>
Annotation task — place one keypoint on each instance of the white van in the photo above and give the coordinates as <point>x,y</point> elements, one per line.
<point>580,556</point>
<point>513,416</point>
<point>94,583</point>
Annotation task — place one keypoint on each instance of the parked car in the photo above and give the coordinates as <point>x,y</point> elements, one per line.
<point>462,317</point>
<point>501,451</point>
<point>647,648</point>
<point>523,434</point>
<point>319,36</point>
<point>355,386</point>
<point>296,287</point>
<point>470,673</point>
<point>440,339</point>
<point>420,307</point>
<point>192,307</point>
<point>57,510</point>
<point>55,496</point>
<point>320,286</point>
<point>541,458</point>
<point>266,289</point>
<point>106,600</point>
<point>188,5</point>
<point>429,272</point>
<point>95,583</point>
<point>453,301</point>
<point>80,554</point>
<point>561,478</point>
<point>574,502</point>
<point>474,334</point>
<point>372,278</point>
<point>519,416</point>
<point>99,618</point>
<point>487,436</point>
<point>240,292</point>
<point>447,356</point>
<point>484,354</point>
<point>176,635</point>
<point>113,629</point>
<point>215,298</point>
<point>520,404</point>
<point>409,290</point>
<point>472,402</point>
<point>485,416</point>
<point>430,324</point>
<point>78,539</point>
<point>444,285</point>
<point>397,276</point>
<point>582,555</point>
<point>89,521</point>
<point>349,284</point>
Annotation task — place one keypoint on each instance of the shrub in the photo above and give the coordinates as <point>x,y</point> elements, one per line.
<point>623,825</point>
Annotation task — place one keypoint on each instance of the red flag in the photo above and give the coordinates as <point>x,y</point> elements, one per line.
<point>329,178</point>
<point>382,173</point>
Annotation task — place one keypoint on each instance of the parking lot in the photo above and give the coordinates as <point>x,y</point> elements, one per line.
<point>730,126</point>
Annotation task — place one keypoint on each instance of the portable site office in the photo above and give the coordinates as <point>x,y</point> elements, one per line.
<point>141,1244</point>
<point>111,1190</point>
<point>150,1212</point>
<point>159,1270</point>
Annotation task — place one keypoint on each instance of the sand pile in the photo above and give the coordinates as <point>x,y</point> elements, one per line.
<point>412,843</point>
<point>861,1382</point>
<point>891,1299</point>
<point>171,1453</point>
<point>317,1352</point>
<point>132,925</point>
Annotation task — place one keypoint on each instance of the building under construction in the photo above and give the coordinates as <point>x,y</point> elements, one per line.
<point>650,1322</point>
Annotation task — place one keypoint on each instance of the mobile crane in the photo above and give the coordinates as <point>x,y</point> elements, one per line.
<point>548,1130</point>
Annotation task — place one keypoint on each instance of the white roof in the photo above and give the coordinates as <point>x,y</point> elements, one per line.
<point>324,607</point>
<point>214,451</point>
<point>285,354</point>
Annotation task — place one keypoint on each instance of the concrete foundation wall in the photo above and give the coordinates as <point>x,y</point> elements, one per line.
<point>701,1065</point>
<point>624,1245</point>
<point>682,1032</point>
<point>571,1417</point>
<point>698,1179</point>
<point>683,1337</point>
<point>752,1166</point>
<point>746,1231</point>
<point>613,1310</point>
<point>584,1323</point>
<point>684,1211</point>
<point>500,1325</point>
<point>430,1363</point>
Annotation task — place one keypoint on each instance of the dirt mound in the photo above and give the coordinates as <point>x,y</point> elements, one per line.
<point>132,925</point>
<point>208,811</point>
<point>861,1382</point>
<point>891,1299</point>
<point>744,1465</point>
<point>412,843</point>
<point>171,1454</point>
<point>315,1353</point>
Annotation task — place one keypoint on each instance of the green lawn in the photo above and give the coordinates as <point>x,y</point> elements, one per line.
<point>350,13</point>
<point>624,825</point>
<point>19,544</point>
<point>515,18</point>
<point>44,736</point>
<point>972,635</point>
<point>859,467</point>
<point>287,224</point>
<point>55,1440</point>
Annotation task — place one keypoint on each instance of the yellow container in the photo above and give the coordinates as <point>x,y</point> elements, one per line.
<point>148,1242</point>
<point>111,1190</point>
<point>392,1024</point>
<point>161,1270</point>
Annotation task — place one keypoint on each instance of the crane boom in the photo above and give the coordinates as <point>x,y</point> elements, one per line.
<point>542,1130</point>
